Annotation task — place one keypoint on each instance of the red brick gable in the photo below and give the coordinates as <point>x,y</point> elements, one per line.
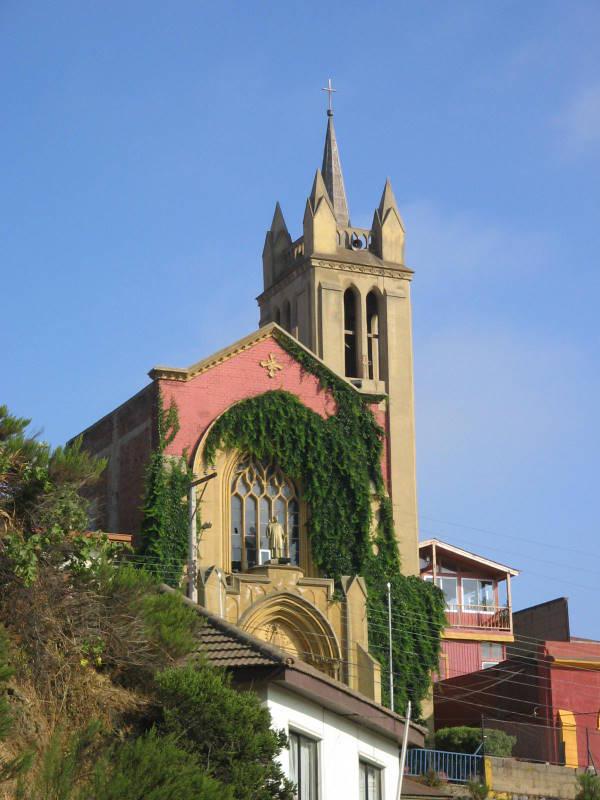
<point>204,397</point>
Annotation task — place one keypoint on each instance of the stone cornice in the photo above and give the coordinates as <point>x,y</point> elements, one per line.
<point>340,264</point>
<point>187,373</point>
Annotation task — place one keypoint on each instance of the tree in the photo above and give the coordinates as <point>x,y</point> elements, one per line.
<point>466,739</point>
<point>229,731</point>
<point>41,495</point>
<point>153,767</point>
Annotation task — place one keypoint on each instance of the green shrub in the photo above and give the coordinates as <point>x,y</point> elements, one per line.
<point>478,790</point>
<point>465,739</point>
<point>589,787</point>
<point>59,769</point>
<point>229,731</point>
<point>152,768</point>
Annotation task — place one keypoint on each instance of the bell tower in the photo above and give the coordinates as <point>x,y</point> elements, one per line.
<point>344,292</point>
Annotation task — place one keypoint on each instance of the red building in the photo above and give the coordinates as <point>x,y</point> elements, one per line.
<point>478,606</point>
<point>546,693</point>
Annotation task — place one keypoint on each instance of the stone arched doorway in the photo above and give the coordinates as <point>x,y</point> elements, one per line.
<point>298,628</point>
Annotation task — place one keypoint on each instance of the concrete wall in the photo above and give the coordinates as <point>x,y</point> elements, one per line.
<point>512,779</point>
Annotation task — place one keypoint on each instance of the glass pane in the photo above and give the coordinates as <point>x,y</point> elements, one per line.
<point>448,587</point>
<point>308,769</point>
<point>264,521</point>
<point>273,489</point>
<point>251,523</point>
<point>362,780</point>
<point>486,594</point>
<point>257,488</point>
<point>293,530</point>
<point>243,487</point>
<point>470,587</point>
<point>286,491</point>
<point>236,533</point>
<point>294,776</point>
<point>279,510</point>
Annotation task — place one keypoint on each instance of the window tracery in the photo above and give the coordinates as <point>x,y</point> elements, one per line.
<point>259,493</point>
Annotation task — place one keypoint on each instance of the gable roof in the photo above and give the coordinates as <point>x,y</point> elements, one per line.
<point>226,645</point>
<point>270,330</point>
<point>468,556</point>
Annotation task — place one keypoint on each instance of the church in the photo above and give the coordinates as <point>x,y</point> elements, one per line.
<point>334,311</point>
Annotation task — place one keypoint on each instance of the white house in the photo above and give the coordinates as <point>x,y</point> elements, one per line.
<point>342,745</point>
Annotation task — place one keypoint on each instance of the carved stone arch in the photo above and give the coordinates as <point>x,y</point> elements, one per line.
<point>297,627</point>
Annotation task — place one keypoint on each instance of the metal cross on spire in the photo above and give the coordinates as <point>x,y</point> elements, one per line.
<point>330,90</point>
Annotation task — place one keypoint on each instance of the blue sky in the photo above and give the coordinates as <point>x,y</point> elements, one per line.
<point>144,145</point>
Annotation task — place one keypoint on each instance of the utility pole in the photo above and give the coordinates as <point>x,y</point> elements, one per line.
<point>192,586</point>
<point>404,749</point>
<point>390,656</point>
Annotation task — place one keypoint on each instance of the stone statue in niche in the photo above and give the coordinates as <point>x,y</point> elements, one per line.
<point>277,540</point>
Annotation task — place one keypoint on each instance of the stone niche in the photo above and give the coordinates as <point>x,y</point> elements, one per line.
<point>302,616</point>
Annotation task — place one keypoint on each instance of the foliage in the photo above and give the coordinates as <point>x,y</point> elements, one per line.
<point>88,635</point>
<point>478,790</point>
<point>41,496</point>
<point>16,766</point>
<point>61,766</point>
<point>153,768</point>
<point>465,739</point>
<point>229,731</point>
<point>432,778</point>
<point>337,461</point>
<point>589,787</point>
<point>165,521</point>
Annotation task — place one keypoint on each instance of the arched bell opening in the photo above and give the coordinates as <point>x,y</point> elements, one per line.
<point>374,364</point>
<point>351,331</point>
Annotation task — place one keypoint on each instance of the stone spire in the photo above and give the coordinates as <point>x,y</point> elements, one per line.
<point>332,175</point>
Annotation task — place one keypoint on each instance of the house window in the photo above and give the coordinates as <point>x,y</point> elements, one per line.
<point>477,594</point>
<point>260,493</point>
<point>303,766</point>
<point>448,587</point>
<point>369,781</point>
<point>491,654</point>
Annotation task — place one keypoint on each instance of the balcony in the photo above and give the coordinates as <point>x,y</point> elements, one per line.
<point>486,617</point>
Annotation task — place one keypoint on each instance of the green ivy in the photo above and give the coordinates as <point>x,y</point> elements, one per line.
<point>337,463</point>
<point>165,513</point>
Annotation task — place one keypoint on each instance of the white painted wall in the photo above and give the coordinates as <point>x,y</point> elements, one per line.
<point>342,742</point>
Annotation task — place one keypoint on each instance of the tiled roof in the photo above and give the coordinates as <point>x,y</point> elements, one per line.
<point>223,649</point>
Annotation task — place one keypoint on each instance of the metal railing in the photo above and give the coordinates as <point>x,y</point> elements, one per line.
<point>454,767</point>
<point>495,618</point>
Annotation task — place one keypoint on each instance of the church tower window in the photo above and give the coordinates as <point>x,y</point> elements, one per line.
<point>287,316</point>
<point>260,493</point>
<point>373,336</point>
<point>350,333</point>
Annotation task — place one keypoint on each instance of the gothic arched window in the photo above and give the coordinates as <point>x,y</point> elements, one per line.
<point>373,336</point>
<point>350,333</point>
<point>258,493</point>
